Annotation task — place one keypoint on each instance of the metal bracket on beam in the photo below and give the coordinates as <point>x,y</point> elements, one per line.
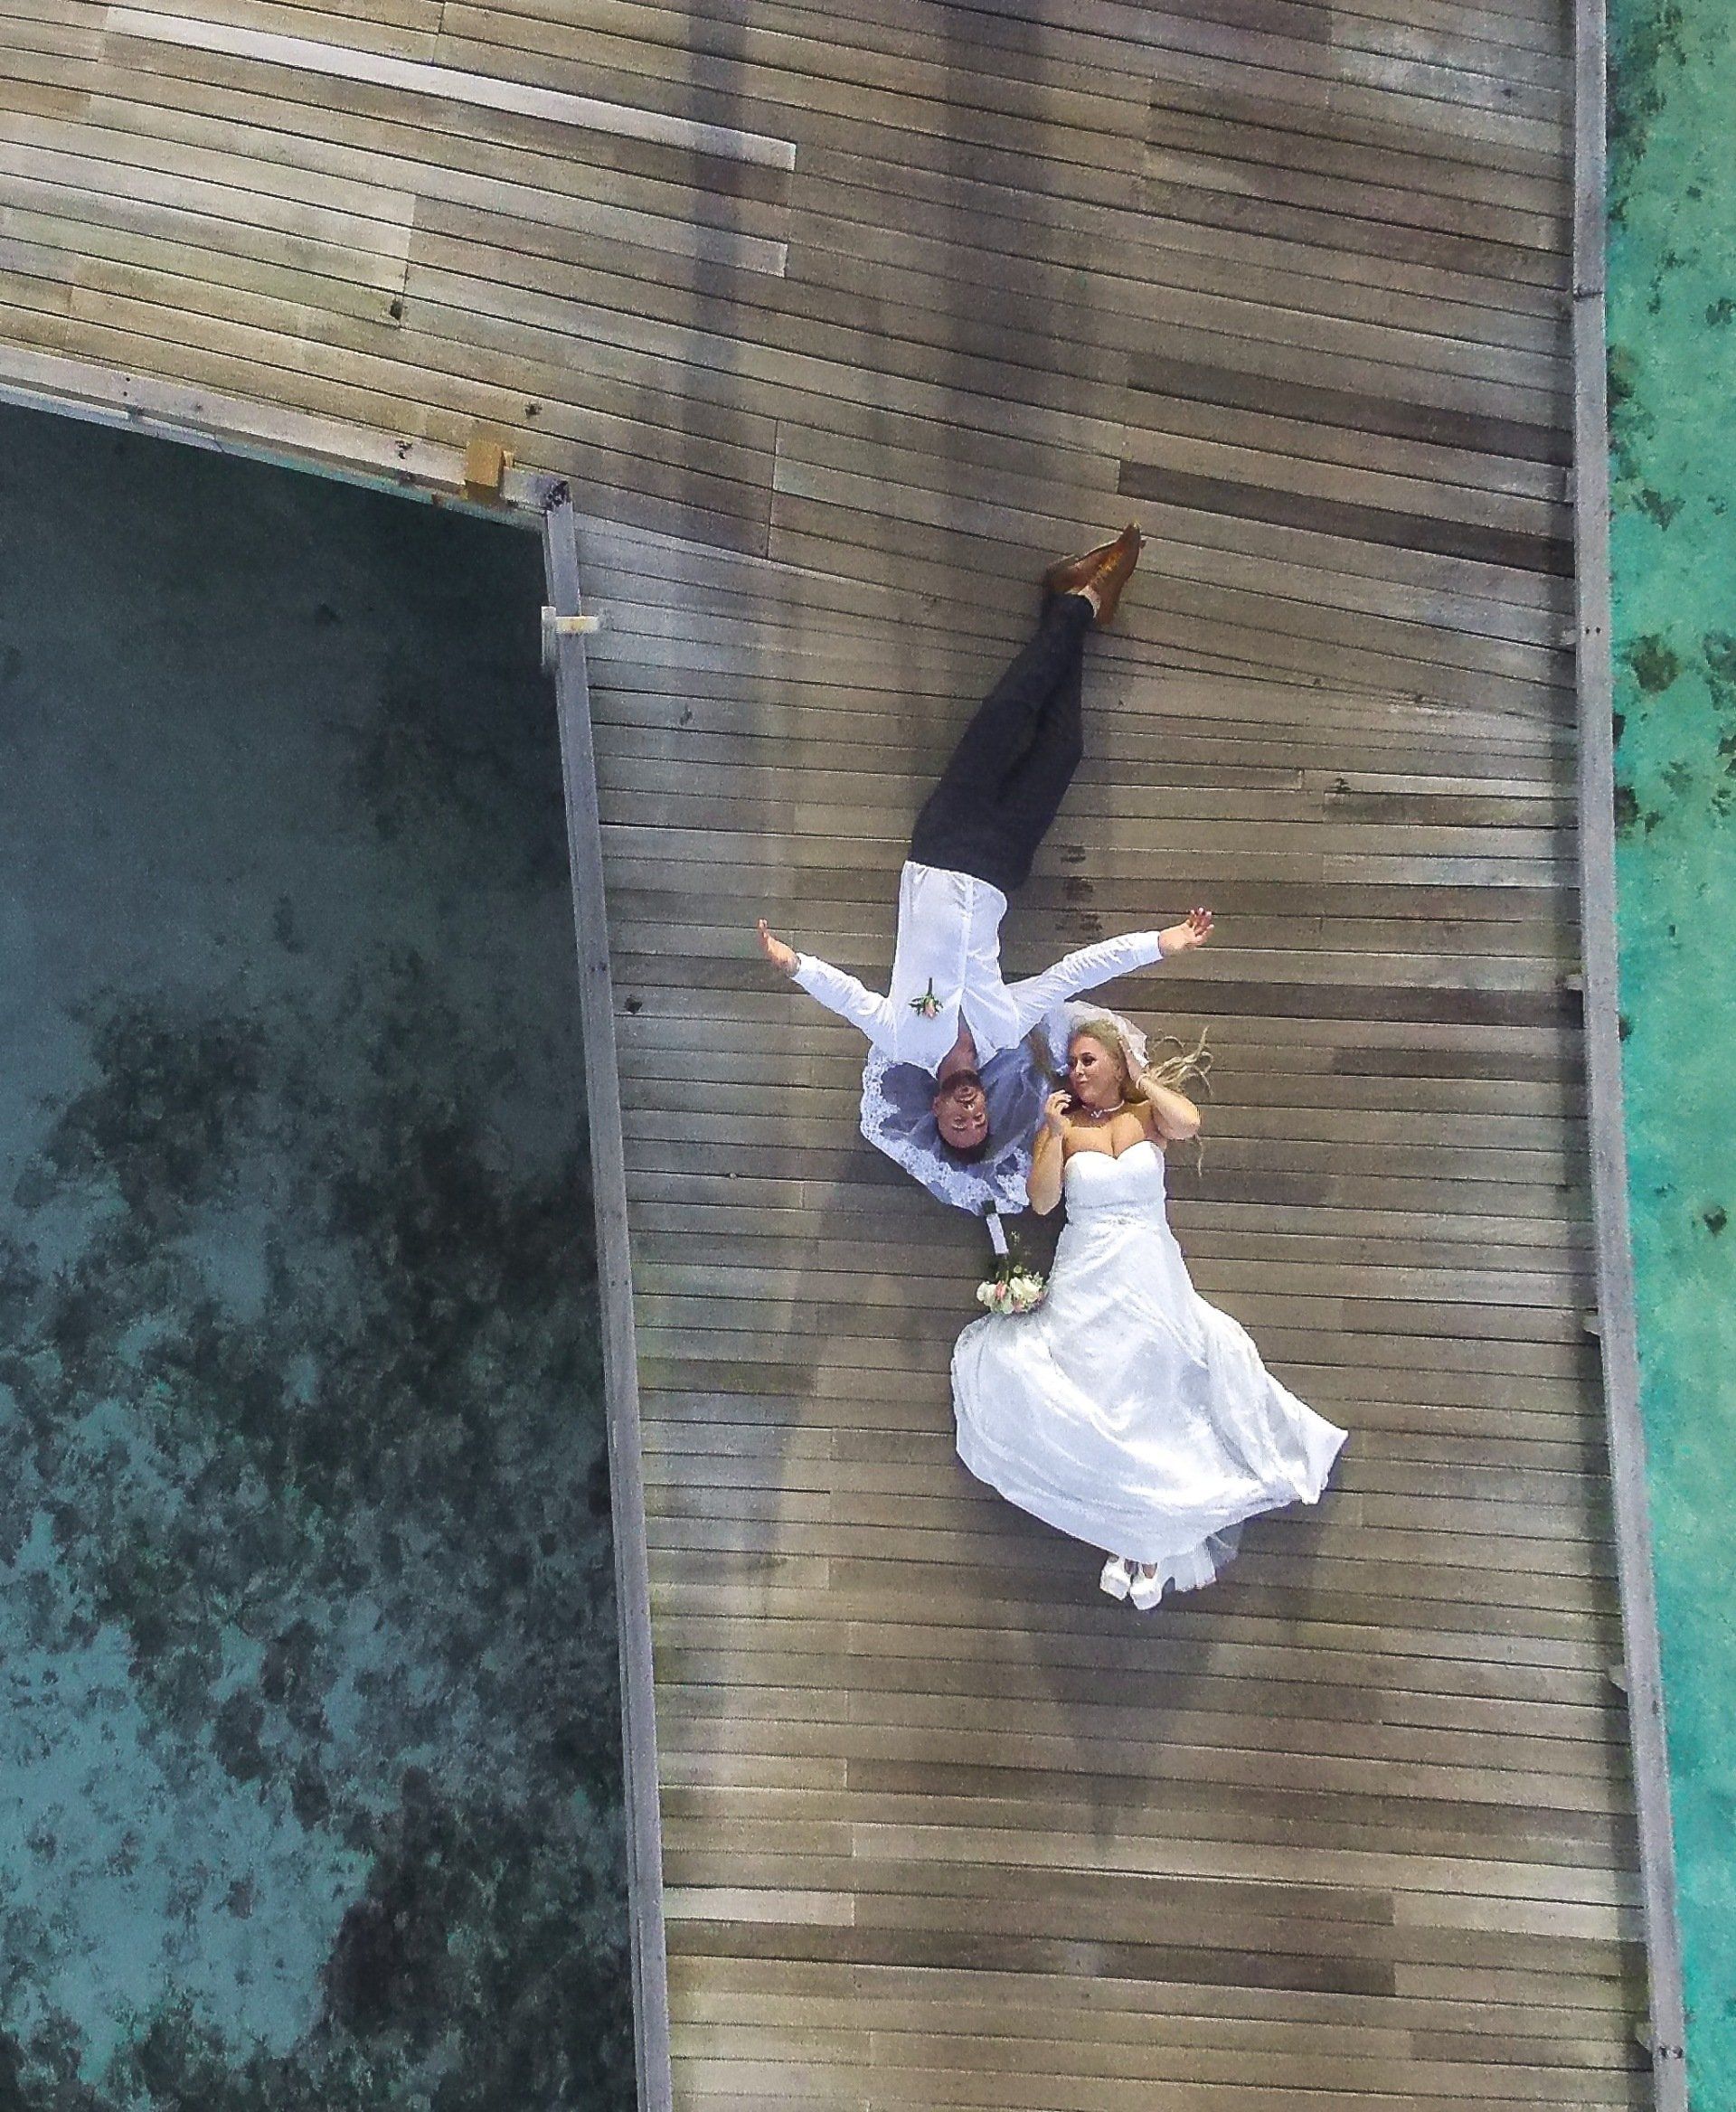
<point>556,627</point>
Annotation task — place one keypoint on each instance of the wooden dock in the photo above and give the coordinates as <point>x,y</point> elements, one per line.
<point>839,321</point>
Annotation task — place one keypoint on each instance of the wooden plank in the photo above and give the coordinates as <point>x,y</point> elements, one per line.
<point>643,1841</point>
<point>411,77</point>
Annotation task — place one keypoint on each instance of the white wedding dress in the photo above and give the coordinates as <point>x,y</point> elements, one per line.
<point>1126,1410</point>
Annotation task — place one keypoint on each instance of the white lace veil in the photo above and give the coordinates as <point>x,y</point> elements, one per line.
<point>898,1116</point>
<point>1066,1021</point>
<point>898,1119</point>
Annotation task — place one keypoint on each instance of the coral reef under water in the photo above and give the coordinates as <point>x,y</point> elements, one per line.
<point>1672,343</point>
<point>310,1749</point>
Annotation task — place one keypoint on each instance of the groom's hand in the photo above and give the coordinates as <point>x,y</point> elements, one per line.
<point>782,956</point>
<point>1194,930</point>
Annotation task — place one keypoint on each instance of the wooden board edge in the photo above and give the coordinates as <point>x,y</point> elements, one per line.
<point>644,1824</point>
<point>285,438</point>
<point>1606,1122</point>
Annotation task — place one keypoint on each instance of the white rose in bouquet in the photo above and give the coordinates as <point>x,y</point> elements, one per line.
<point>1013,1289</point>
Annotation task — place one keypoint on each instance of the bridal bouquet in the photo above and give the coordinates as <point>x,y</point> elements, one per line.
<point>1013,1288</point>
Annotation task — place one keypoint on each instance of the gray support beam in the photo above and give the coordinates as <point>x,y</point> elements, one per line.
<point>614,1284</point>
<point>1617,1321</point>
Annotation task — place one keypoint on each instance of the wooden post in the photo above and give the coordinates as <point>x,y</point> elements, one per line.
<point>1616,1322</point>
<point>620,1361</point>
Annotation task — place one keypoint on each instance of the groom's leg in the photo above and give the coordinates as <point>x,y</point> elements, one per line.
<point>980,812</point>
<point>1037,783</point>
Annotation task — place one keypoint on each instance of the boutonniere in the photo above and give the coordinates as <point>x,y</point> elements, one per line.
<point>926,1006</point>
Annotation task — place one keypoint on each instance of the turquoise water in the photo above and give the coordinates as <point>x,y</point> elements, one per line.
<point>1673,364</point>
<point>310,1788</point>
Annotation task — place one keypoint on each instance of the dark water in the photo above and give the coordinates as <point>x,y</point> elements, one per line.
<point>310,1785</point>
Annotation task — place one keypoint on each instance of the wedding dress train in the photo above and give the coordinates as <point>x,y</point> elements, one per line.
<point>1125,1409</point>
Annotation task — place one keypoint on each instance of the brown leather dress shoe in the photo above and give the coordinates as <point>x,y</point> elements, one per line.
<point>1116,570</point>
<point>1105,569</point>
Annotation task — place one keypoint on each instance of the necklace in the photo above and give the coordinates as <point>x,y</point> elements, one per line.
<point>1103,1114</point>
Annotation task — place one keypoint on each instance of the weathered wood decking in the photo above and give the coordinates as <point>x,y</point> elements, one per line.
<point>1289,283</point>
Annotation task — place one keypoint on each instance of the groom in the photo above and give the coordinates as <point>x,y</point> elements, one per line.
<point>952,1090</point>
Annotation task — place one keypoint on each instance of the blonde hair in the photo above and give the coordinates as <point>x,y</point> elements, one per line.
<point>1187,1070</point>
<point>1186,1066</point>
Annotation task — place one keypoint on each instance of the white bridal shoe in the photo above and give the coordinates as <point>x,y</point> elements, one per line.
<point>1117,1577</point>
<point>1147,1589</point>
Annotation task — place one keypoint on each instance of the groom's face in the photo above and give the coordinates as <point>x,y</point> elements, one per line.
<point>961,1112</point>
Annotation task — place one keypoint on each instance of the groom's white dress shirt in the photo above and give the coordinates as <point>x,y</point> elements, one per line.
<point>949,945</point>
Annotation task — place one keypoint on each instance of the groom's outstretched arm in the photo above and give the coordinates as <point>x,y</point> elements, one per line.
<point>836,990</point>
<point>1102,963</point>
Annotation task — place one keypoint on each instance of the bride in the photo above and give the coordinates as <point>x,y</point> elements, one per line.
<point>1126,1410</point>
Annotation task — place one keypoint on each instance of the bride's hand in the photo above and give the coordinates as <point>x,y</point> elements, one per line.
<point>1194,930</point>
<point>1056,1110</point>
<point>781,955</point>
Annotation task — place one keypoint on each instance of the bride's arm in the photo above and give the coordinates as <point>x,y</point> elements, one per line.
<point>1173,1116</point>
<point>1049,1157</point>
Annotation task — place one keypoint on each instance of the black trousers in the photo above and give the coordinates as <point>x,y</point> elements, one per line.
<point>1016,759</point>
